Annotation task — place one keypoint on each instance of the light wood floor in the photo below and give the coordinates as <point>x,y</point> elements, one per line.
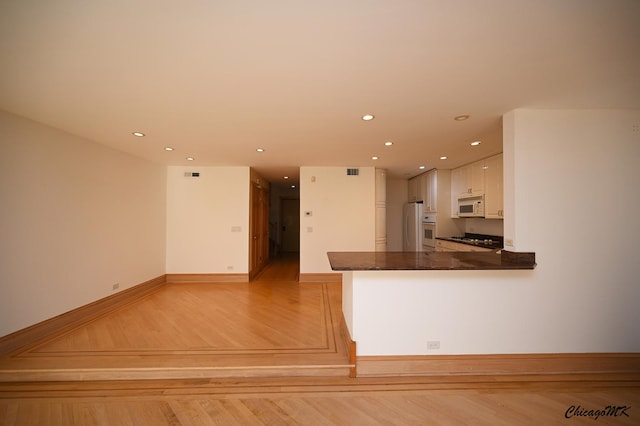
<point>271,326</point>
<point>265,352</point>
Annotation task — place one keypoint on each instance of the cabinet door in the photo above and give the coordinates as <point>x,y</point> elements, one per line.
<point>413,190</point>
<point>431,191</point>
<point>457,185</point>
<point>461,180</point>
<point>476,178</point>
<point>493,197</point>
<point>419,188</point>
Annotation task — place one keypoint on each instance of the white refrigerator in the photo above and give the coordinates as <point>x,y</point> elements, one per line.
<point>412,227</point>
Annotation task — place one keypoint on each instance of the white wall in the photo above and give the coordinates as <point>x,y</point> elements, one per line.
<point>575,198</point>
<point>342,214</point>
<point>76,217</point>
<point>571,197</point>
<point>468,312</point>
<point>207,220</point>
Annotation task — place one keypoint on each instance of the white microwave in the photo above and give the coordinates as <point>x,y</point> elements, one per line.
<point>471,206</point>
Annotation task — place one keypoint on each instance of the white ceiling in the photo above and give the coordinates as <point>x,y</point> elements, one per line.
<point>217,79</point>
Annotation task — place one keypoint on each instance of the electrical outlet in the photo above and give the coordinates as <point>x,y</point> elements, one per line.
<point>230,268</point>
<point>433,345</point>
<point>116,286</point>
<point>508,242</point>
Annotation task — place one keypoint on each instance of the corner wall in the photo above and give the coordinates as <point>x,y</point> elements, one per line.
<point>342,214</point>
<point>571,182</point>
<point>76,218</point>
<point>207,220</point>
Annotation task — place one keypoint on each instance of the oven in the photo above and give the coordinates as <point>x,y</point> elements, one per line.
<point>428,232</point>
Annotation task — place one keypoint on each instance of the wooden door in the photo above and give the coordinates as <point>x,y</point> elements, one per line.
<point>259,229</point>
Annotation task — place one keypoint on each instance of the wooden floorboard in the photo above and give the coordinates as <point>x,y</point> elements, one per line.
<point>479,400</point>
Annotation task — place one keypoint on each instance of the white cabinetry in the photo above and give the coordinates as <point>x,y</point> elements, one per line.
<point>433,188</point>
<point>415,189</point>
<point>482,177</point>
<point>381,210</point>
<point>458,185</point>
<point>430,189</point>
<point>470,179</point>
<point>424,188</point>
<point>493,194</point>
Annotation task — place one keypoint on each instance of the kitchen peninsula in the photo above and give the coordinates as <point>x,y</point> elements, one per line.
<point>420,261</point>
<point>409,306</point>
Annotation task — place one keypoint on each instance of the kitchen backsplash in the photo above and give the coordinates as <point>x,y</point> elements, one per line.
<point>484,226</point>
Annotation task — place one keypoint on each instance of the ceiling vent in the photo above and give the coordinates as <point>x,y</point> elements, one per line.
<point>191,174</point>
<point>353,172</point>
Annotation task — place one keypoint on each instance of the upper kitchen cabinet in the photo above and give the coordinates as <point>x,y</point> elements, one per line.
<point>422,188</point>
<point>430,191</point>
<point>416,189</point>
<point>484,177</point>
<point>493,195</point>
<point>468,180</point>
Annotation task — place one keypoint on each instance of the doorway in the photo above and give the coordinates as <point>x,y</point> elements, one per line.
<point>290,220</point>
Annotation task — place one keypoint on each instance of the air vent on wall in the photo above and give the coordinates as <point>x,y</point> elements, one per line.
<point>353,172</point>
<point>191,174</point>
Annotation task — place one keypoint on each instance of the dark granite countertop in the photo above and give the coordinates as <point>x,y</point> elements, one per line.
<point>418,261</point>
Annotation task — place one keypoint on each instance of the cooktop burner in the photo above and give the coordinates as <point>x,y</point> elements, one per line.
<point>487,241</point>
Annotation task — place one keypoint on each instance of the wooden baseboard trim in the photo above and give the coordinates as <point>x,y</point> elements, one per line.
<point>74,318</point>
<point>321,278</point>
<point>206,278</point>
<point>498,365</point>
<point>350,345</point>
<point>170,373</point>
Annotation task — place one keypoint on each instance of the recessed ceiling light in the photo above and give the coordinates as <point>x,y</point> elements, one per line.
<point>421,167</point>
<point>286,177</point>
<point>461,118</point>
<point>475,143</point>
<point>388,143</point>
<point>168,148</point>
<point>444,157</point>
<point>293,186</point>
<point>260,149</point>
<point>138,134</point>
<point>374,158</point>
<point>189,158</point>
<point>368,117</point>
